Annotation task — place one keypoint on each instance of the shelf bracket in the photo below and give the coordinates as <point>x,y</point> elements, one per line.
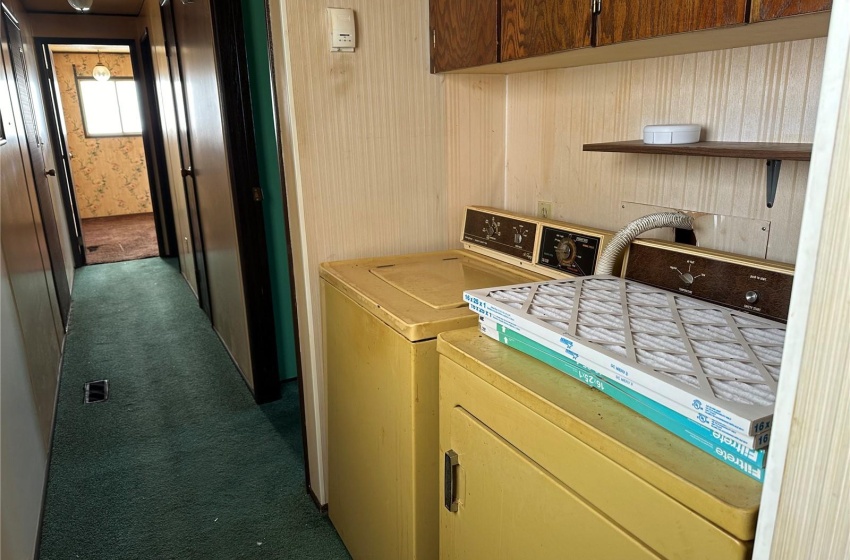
<point>773,167</point>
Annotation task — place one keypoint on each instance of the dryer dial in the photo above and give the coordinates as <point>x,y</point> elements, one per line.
<point>566,252</point>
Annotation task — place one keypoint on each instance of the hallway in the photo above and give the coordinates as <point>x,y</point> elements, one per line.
<point>179,462</point>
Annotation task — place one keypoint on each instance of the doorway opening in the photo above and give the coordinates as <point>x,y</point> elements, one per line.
<point>96,93</point>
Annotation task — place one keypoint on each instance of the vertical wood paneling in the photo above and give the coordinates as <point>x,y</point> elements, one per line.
<point>764,93</point>
<point>373,166</point>
<point>474,147</point>
<point>805,507</point>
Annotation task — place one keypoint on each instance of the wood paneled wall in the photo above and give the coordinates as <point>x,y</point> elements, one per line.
<point>805,505</point>
<point>151,20</point>
<point>761,93</point>
<point>32,332</point>
<point>380,155</point>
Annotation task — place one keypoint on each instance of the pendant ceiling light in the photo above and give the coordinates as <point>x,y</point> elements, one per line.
<point>100,72</point>
<point>81,5</point>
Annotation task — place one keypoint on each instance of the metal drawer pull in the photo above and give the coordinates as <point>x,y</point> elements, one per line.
<point>451,461</point>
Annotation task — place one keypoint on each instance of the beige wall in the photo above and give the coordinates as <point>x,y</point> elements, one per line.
<point>151,20</point>
<point>804,509</point>
<point>110,174</point>
<point>380,155</point>
<point>764,93</point>
<point>23,460</point>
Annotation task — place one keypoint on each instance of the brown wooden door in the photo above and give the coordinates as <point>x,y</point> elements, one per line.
<point>464,33</point>
<point>39,166</point>
<point>189,184</point>
<point>536,27</point>
<point>764,10</point>
<point>629,20</point>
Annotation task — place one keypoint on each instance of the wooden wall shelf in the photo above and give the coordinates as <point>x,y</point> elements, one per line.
<point>773,152</point>
<point>747,150</point>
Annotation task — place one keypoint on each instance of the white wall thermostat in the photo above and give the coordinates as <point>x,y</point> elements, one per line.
<point>343,33</point>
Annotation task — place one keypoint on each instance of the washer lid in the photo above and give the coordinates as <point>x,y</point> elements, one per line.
<point>440,284</point>
<point>421,295</point>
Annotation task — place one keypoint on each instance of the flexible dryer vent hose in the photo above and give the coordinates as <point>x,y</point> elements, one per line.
<point>628,234</point>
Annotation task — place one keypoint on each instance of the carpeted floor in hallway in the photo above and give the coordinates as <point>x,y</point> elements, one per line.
<point>179,463</point>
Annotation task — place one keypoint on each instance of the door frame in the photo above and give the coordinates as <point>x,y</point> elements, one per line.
<point>251,16</point>
<point>166,234</point>
<point>238,123</point>
<point>164,221</point>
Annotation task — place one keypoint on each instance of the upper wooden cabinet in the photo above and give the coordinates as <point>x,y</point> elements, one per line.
<point>628,20</point>
<point>536,27</point>
<point>472,33</point>
<point>765,10</point>
<point>464,33</point>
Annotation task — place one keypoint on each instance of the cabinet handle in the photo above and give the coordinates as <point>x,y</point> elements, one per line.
<point>449,470</point>
<point>187,172</point>
<point>50,173</point>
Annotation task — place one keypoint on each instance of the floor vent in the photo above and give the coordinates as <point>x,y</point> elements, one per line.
<point>97,391</point>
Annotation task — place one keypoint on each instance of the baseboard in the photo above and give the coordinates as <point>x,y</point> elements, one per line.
<point>322,508</point>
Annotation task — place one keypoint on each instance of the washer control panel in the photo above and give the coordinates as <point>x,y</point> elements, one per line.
<point>568,251</point>
<point>500,233</point>
<point>751,285</point>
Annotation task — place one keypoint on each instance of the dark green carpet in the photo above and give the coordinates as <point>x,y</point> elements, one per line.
<point>180,462</point>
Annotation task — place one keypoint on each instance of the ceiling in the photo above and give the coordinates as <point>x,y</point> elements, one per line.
<point>99,7</point>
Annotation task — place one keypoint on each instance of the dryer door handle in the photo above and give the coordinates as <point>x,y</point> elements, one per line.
<point>450,465</point>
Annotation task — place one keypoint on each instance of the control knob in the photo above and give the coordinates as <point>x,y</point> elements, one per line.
<point>566,252</point>
<point>752,297</point>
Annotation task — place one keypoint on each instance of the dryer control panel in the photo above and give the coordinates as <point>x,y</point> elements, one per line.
<point>553,249</point>
<point>568,251</point>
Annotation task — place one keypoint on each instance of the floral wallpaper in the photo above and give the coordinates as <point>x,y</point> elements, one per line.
<point>110,174</point>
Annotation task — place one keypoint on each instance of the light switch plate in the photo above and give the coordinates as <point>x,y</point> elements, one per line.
<point>343,29</point>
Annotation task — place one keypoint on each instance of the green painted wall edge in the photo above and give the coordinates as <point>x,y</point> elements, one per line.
<point>265,134</point>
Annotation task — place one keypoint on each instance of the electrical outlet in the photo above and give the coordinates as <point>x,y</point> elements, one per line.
<point>544,209</point>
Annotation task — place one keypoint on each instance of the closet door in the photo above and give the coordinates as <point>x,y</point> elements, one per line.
<point>40,168</point>
<point>190,187</point>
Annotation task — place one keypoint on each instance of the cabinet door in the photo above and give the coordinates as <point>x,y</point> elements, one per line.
<point>464,33</point>
<point>510,507</point>
<point>535,27</point>
<point>764,10</point>
<point>629,20</point>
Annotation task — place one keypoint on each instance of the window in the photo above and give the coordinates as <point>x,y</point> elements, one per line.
<point>109,108</point>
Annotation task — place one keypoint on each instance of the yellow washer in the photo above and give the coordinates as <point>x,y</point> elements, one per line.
<point>381,320</point>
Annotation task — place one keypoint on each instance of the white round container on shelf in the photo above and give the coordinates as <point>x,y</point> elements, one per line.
<point>671,133</point>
